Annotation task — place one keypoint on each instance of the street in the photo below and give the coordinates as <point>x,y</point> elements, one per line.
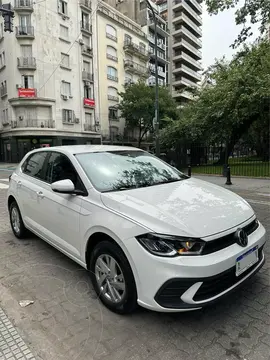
<point>66,320</point>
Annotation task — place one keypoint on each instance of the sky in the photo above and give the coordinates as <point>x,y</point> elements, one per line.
<point>219,32</point>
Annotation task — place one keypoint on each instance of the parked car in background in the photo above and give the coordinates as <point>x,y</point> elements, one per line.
<point>147,233</point>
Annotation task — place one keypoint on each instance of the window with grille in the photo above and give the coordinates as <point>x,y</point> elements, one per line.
<point>87,92</point>
<point>111,73</point>
<point>111,32</point>
<point>28,81</point>
<point>113,114</point>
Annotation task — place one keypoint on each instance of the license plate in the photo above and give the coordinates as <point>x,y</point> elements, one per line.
<point>246,260</point>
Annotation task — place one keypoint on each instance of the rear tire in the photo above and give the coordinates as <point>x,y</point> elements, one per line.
<point>16,221</point>
<point>112,278</point>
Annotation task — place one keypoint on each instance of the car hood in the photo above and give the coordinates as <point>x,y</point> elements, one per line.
<point>190,207</point>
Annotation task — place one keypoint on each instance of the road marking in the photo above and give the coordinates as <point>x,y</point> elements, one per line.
<point>7,180</point>
<point>3,186</point>
<point>263,194</point>
<point>258,202</point>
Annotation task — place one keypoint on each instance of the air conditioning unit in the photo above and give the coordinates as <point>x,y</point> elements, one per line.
<point>77,120</point>
<point>64,97</point>
<point>64,17</point>
<point>21,118</point>
<point>81,42</point>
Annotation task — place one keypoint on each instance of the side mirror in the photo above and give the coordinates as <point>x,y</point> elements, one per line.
<point>63,187</point>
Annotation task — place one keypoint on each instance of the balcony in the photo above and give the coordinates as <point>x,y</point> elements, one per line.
<point>112,77</point>
<point>3,91</point>
<point>162,29</point>
<point>181,94</point>
<point>25,32</point>
<point>134,49</point>
<point>26,63</point>
<point>30,123</point>
<point>112,57</point>
<point>188,60</point>
<point>113,98</point>
<point>86,27</point>
<point>135,68</point>
<point>182,81</point>
<point>27,93</point>
<point>182,18</point>
<point>188,47</point>
<point>23,5</point>
<point>87,50</point>
<point>183,5</point>
<point>87,76</point>
<point>89,103</point>
<point>161,57</point>
<point>89,127</point>
<point>86,5</point>
<point>186,70</point>
<point>184,33</point>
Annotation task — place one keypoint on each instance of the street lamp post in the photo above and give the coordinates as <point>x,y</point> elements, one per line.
<point>156,119</point>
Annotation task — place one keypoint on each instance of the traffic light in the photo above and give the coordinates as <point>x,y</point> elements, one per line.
<point>8,16</point>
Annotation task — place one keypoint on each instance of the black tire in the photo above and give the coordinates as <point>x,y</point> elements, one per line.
<point>22,231</point>
<point>129,302</point>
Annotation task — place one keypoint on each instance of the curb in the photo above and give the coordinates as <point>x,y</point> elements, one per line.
<point>233,176</point>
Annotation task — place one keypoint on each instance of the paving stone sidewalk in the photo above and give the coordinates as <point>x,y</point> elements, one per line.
<point>12,347</point>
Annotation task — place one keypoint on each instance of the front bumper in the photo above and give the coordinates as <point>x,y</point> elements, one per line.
<point>190,283</point>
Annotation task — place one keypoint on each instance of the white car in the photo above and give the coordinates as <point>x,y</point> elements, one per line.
<point>148,234</point>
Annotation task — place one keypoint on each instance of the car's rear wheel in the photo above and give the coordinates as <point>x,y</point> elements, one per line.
<point>112,278</point>
<point>16,221</point>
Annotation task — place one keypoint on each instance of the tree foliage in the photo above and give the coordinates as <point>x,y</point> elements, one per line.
<point>227,110</point>
<point>138,107</point>
<point>255,11</point>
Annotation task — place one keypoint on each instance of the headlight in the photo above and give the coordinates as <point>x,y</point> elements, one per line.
<point>169,246</point>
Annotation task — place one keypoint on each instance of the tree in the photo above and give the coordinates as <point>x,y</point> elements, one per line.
<point>138,107</point>
<point>226,111</point>
<point>257,11</point>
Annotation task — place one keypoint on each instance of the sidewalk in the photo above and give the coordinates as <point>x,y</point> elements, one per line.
<point>12,347</point>
<point>238,183</point>
<point>7,166</point>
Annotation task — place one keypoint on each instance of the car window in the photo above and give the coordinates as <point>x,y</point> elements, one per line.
<point>59,167</point>
<point>33,166</point>
<point>122,170</point>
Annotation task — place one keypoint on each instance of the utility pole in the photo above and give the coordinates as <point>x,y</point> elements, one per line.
<point>156,118</point>
<point>8,15</point>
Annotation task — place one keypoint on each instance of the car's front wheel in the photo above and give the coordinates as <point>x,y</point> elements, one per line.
<point>112,278</point>
<point>16,221</point>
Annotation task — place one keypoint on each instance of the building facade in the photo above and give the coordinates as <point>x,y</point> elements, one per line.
<point>139,12</point>
<point>184,45</point>
<point>60,73</point>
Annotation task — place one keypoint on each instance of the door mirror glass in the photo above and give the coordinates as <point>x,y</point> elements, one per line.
<point>63,187</point>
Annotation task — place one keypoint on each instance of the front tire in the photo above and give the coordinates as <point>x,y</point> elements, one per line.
<point>16,221</point>
<point>112,278</point>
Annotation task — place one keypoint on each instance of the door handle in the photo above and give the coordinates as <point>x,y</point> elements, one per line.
<point>40,194</point>
<point>19,183</point>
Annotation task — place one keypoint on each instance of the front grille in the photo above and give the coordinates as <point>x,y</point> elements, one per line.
<point>228,240</point>
<point>217,284</point>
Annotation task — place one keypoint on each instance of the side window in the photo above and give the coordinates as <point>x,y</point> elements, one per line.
<point>33,166</point>
<point>60,168</point>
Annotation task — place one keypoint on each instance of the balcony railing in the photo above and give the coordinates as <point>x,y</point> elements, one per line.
<point>112,57</point>
<point>29,123</point>
<point>133,48</point>
<point>86,26</point>
<point>110,36</point>
<point>23,5</point>
<point>89,127</point>
<point>3,91</point>
<point>113,97</point>
<point>136,68</point>
<point>162,29</point>
<point>86,4</point>
<point>87,50</point>
<point>112,77</point>
<point>121,20</point>
<point>184,31</point>
<point>26,63</point>
<point>188,71</point>
<point>25,31</point>
<point>87,76</point>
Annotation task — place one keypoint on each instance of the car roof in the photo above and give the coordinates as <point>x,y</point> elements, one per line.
<point>80,149</point>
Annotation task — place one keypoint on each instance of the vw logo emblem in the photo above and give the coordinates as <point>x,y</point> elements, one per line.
<point>241,237</point>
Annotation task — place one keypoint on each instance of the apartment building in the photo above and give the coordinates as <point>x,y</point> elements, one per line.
<point>60,73</point>
<point>184,45</point>
<point>139,12</point>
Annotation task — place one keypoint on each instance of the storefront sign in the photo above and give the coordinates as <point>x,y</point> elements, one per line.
<point>27,93</point>
<point>89,102</point>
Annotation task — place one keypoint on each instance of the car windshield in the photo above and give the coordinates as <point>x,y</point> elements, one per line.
<point>127,169</point>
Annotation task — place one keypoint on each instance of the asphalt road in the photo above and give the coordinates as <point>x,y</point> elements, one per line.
<point>67,321</point>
